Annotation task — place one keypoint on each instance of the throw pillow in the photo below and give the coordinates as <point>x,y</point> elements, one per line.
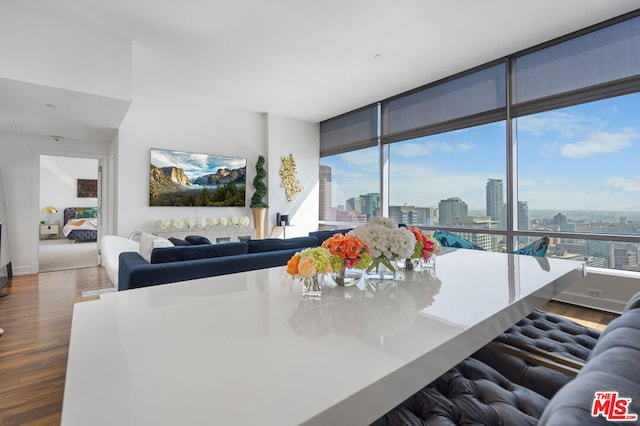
<point>148,242</point>
<point>449,239</point>
<point>202,251</point>
<point>197,240</point>
<point>273,244</point>
<point>538,248</point>
<point>178,242</point>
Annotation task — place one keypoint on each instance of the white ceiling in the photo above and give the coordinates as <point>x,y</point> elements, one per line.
<point>303,59</point>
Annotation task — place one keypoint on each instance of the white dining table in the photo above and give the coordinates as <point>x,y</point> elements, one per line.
<point>248,349</point>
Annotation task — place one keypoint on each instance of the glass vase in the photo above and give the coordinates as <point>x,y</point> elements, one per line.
<point>428,265</point>
<point>312,287</point>
<point>347,277</point>
<point>381,269</point>
<point>408,264</point>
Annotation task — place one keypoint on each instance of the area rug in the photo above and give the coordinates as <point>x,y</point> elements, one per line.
<point>59,255</point>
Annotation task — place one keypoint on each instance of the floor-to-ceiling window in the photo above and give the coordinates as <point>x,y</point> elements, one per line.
<point>350,186</point>
<point>578,173</point>
<point>452,179</point>
<point>542,142</point>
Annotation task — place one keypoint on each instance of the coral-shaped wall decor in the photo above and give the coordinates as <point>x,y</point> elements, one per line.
<point>288,176</point>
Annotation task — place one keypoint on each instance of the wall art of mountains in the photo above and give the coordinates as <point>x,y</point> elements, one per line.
<point>170,186</point>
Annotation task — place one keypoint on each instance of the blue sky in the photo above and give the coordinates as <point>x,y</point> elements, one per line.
<point>578,158</point>
<point>193,164</point>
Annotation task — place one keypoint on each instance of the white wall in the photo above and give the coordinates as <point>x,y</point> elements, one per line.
<point>59,183</point>
<point>301,139</point>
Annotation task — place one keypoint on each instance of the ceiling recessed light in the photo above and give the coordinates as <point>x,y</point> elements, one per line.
<point>51,106</point>
<point>57,138</point>
<point>15,127</point>
<point>377,56</point>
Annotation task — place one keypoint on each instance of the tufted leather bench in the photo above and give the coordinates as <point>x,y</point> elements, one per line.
<point>612,366</point>
<point>549,332</point>
<point>475,393</point>
<point>470,393</point>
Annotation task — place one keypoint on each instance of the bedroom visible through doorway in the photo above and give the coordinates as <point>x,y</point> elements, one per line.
<point>68,196</point>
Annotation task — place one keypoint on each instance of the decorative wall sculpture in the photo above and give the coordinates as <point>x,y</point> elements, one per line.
<point>288,176</point>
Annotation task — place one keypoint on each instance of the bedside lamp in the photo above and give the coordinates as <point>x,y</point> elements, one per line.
<point>49,210</point>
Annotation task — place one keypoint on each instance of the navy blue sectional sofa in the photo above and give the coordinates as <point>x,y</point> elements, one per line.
<point>189,262</point>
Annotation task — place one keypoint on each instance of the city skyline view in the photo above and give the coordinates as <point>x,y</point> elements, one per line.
<point>579,158</point>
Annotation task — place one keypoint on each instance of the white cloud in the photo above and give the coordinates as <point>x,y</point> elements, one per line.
<point>624,184</point>
<point>565,123</point>
<point>599,143</point>
<point>554,182</point>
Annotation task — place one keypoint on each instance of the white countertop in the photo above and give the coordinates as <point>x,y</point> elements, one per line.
<point>247,349</point>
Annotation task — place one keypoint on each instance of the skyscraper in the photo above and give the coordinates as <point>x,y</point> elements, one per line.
<point>495,202</point>
<point>450,209</point>
<point>326,213</point>
<point>370,204</point>
<point>523,215</point>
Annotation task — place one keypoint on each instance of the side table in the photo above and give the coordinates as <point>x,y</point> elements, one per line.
<point>50,231</point>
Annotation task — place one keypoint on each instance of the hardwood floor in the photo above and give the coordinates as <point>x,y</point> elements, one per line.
<point>587,317</point>
<point>36,317</point>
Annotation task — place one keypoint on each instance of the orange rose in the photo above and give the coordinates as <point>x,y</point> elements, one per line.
<point>307,267</point>
<point>292,264</point>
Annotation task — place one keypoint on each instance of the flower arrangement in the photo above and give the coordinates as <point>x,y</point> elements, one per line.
<point>426,244</point>
<point>385,241</point>
<point>185,224</point>
<point>308,264</point>
<point>348,251</point>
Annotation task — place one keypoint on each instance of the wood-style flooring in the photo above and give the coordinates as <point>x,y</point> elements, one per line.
<point>36,318</point>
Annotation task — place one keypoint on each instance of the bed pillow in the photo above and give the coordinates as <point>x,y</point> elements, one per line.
<point>86,213</point>
<point>202,251</point>
<point>148,242</point>
<point>197,240</point>
<point>273,244</point>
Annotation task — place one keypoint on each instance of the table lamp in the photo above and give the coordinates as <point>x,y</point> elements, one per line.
<point>49,210</point>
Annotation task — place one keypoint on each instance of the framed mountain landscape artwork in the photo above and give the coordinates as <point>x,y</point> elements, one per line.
<point>180,178</point>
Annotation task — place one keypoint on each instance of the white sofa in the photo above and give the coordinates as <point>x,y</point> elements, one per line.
<point>110,248</point>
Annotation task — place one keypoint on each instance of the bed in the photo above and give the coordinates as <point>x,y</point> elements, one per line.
<point>80,223</point>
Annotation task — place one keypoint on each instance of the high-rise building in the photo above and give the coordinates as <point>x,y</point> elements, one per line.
<point>495,203</point>
<point>451,208</point>
<point>395,214</point>
<point>326,213</point>
<point>370,204</point>
<point>486,241</point>
<point>523,215</point>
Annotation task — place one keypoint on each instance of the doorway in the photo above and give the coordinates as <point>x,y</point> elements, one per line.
<point>68,183</point>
